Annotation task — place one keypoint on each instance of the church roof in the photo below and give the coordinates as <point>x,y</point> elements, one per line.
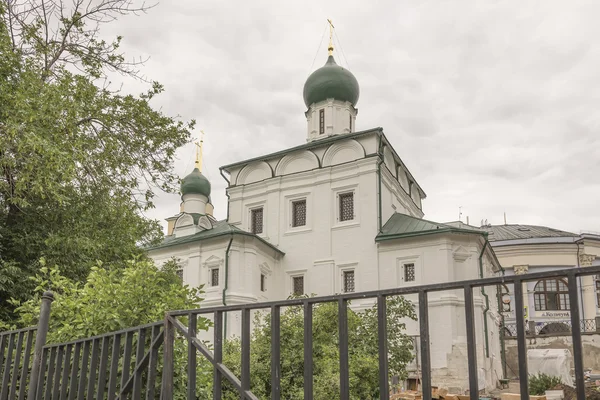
<point>323,142</point>
<point>402,225</point>
<point>221,228</point>
<point>331,81</point>
<point>516,231</point>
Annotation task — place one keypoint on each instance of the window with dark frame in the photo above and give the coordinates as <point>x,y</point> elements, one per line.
<point>346,206</point>
<point>263,283</point>
<point>551,295</point>
<point>409,272</point>
<point>348,277</point>
<point>180,274</point>
<point>214,277</point>
<point>350,123</point>
<point>321,122</point>
<point>299,213</point>
<point>298,285</point>
<point>256,223</point>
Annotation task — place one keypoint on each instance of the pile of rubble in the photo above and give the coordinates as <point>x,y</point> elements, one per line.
<point>443,394</point>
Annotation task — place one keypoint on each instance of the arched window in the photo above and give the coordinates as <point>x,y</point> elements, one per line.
<point>551,294</point>
<point>503,298</point>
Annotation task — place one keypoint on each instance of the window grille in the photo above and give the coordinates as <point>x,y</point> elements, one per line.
<point>409,272</point>
<point>256,225</point>
<point>348,281</point>
<point>321,122</point>
<point>298,285</point>
<point>551,294</point>
<point>214,277</point>
<point>299,213</point>
<point>346,206</point>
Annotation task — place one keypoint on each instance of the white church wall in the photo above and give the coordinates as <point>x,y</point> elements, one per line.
<point>254,172</point>
<point>297,162</point>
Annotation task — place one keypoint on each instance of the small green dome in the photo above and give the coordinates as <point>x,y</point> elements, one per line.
<point>331,82</point>
<point>195,183</point>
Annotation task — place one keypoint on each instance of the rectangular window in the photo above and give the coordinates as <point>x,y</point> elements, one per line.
<point>256,220</point>
<point>214,277</point>
<point>346,206</point>
<point>350,123</point>
<point>598,290</point>
<point>298,285</point>
<point>348,281</point>
<point>321,122</point>
<point>409,272</point>
<point>263,283</point>
<point>299,213</point>
<point>180,274</point>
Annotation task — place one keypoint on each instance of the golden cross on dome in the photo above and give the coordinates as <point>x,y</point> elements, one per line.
<point>330,48</point>
<point>199,145</point>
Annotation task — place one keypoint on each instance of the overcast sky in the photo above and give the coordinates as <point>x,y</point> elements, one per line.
<point>493,105</point>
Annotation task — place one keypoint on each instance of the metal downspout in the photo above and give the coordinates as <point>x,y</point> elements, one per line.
<point>487,300</point>
<point>379,216</point>
<point>226,193</point>
<point>225,286</point>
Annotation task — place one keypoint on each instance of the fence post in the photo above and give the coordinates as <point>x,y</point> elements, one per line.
<point>40,342</point>
<point>168,362</point>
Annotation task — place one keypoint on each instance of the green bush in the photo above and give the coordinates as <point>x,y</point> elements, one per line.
<point>538,384</point>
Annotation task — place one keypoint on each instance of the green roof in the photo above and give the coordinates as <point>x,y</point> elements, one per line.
<point>517,231</point>
<point>221,228</point>
<point>402,225</point>
<point>331,81</point>
<point>195,183</point>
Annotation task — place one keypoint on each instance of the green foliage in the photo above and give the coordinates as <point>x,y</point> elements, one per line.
<point>79,158</point>
<point>362,350</point>
<point>110,300</point>
<point>538,384</point>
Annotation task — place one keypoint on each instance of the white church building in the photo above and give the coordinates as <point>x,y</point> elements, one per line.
<point>339,213</point>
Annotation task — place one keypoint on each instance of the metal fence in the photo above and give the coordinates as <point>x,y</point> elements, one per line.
<point>547,328</point>
<point>16,354</point>
<point>105,366</point>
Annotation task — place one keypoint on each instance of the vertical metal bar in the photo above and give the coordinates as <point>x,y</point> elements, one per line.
<point>24,374</point>
<point>56,382</point>
<point>15,373</point>
<point>65,372</point>
<point>384,387</point>
<point>245,352</point>
<point>127,358</point>
<point>40,342</point>
<point>93,369</point>
<point>218,339</point>
<point>343,347</point>
<point>84,370</point>
<point>137,377</point>
<point>275,353</point>
<point>308,351</point>
<point>191,370</point>
<point>521,345</point>
<point>3,339</point>
<point>103,366</point>
<point>576,335</point>
<point>114,366</point>
<point>425,345</point>
<point>7,365</point>
<point>471,341</point>
<point>39,385</point>
<point>151,383</point>
<point>49,380</point>
<point>74,372</point>
<point>169,366</point>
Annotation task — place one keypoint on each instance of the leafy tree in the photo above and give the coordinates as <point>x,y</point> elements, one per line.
<point>80,159</point>
<point>110,300</point>
<point>362,351</point>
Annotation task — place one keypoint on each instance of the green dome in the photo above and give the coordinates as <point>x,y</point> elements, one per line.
<point>195,183</point>
<point>331,82</point>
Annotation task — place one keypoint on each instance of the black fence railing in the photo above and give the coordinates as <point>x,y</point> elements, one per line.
<point>126,364</point>
<point>554,327</point>
<point>16,354</point>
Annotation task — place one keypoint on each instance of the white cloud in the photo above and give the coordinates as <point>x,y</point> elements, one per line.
<point>492,105</point>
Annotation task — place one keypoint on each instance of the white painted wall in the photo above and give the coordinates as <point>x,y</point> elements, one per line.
<point>337,118</point>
